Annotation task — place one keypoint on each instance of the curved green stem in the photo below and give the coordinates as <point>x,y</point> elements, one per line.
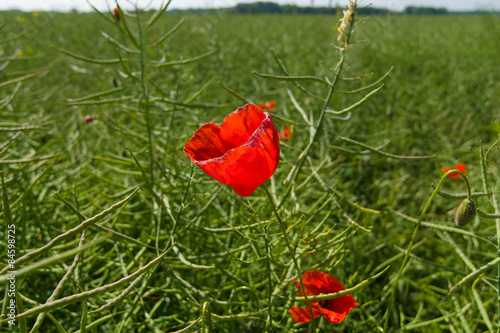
<point>290,249</point>
<point>494,202</point>
<point>414,236</point>
<point>269,279</point>
<point>487,215</point>
<point>207,318</point>
<point>344,292</point>
<point>469,190</point>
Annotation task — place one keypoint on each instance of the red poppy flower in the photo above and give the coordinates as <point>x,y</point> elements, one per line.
<point>269,106</point>
<point>116,14</point>
<point>455,175</point>
<point>317,283</point>
<point>284,134</point>
<point>242,153</point>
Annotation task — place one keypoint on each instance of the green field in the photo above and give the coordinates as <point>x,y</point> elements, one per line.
<point>362,182</point>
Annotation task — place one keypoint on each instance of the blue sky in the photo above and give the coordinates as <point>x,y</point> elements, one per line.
<point>81,5</point>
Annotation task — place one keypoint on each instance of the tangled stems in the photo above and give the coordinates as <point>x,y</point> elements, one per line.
<point>494,202</point>
<point>290,249</point>
<point>305,153</point>
<point>145,95</point>
<point>414,236</point>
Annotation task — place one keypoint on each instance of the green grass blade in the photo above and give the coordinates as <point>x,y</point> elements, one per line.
<point>374,84</point>
<point>82,226</point>
<point>375,150</point>
<point>22,78</point>
<point>158,14</point>
<point>23,328</point>
<point>54,259</point>
<point>6,101</point>
<point>98,94</point>
<point>292,78</point>
<point>170,32</point>
<point>186,61</point>
<point>357,104</point>
<point>84,319</point>
<point>480,306</point>
<point>90,60</point>
<point>118,44</point>
<point>475,273</point>
<point>91,293</point>
<point>58,325</point>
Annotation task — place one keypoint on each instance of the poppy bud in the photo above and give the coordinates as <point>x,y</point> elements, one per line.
<point>465,212</point>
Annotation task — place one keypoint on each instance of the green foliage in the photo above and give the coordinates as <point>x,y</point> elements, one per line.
<point>146,88</point>
<point>412,10</point>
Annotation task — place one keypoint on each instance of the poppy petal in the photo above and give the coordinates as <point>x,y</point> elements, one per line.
<point>317,282</point>
<point>284,134</point>
<point>445,169</point>
<point>239,125</point>
<point>243,153</point>
<point>455,175</point>
<point>461,167</point>
<point>301,315</point>
<point>206,144</point>
<point>246,169</point>
<point>336,309</point>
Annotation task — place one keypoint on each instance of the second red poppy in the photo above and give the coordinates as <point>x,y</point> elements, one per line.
<point>317,283</point>
<point>455,175</point>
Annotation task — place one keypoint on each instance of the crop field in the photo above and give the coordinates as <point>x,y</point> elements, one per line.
<point>112,222</point>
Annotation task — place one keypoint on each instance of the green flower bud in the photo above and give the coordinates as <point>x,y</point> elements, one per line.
<point>465,212</point>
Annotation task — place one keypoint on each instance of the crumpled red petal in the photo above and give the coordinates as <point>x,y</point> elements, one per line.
<point>243,153</point>
<point>336,309</point>
<point>301,315</point>
<point>455,175</point>
<point>317,283</point>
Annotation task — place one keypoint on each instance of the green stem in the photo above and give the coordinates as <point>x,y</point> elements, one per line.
<point>174,227</point>
<point>302,157</point>
<point>207,318</point>
<point>344,292</point>
<point>290,249</point>
<point>145,95</point>
<point>270,282</point>
<point>414,236</point>
<point>494,203</point>
<point>170,243</point>
<point>487,216</point>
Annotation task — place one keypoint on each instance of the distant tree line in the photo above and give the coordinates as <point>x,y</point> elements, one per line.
<point>411,10</point>
<point>274,8</point>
